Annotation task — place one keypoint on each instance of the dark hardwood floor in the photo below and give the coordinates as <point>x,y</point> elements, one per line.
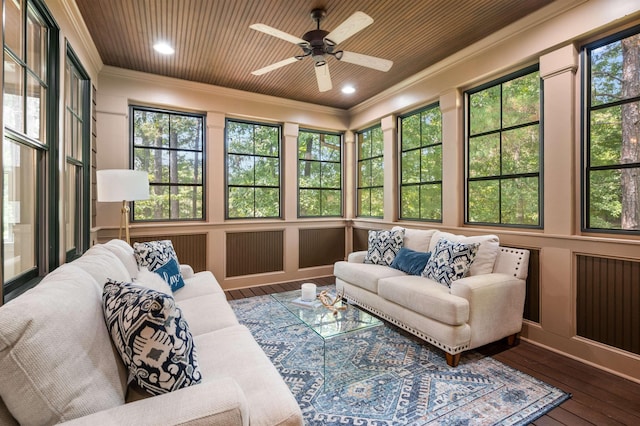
<point>598,397</point>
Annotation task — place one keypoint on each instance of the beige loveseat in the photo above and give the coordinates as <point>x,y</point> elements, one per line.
<point>57,362</point>
<point>480,308</point>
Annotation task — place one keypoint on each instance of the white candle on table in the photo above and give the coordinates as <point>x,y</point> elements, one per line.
<point>308,292</point>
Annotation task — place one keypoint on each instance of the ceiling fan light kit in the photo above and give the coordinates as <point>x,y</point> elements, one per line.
<point>318,44</point>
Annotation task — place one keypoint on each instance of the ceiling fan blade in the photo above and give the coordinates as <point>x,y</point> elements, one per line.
<point>275,66</point>
<point>367,61</point>
<point>354,23</point>
<point>324,78</point>
<point>277,33</point>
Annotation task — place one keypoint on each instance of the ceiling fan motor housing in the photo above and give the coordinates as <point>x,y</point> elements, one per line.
<point>316,48</point>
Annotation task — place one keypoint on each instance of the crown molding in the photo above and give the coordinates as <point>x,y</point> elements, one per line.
<point>110,71</point>
<point>77,22</point>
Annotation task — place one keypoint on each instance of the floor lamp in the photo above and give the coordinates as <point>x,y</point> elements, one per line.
<point>122,185</point>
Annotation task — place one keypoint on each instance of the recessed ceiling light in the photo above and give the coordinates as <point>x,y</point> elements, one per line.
<point>163,48</point>
<point>348,89</point>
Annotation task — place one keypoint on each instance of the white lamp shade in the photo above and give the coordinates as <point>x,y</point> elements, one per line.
<point>122,185</point>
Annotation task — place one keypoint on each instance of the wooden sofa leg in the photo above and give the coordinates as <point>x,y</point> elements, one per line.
<point>453,360</point>
<point>511,340</point>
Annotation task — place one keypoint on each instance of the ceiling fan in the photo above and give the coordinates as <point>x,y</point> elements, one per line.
<point>320,44</point>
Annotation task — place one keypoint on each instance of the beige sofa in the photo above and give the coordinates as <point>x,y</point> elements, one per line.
<point>57,362</point>
<point>480,308</point>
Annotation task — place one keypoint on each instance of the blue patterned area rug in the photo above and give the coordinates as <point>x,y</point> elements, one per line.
<point>384,376</point>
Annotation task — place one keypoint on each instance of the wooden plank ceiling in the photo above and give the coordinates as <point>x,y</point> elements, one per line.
<point>215,45</point>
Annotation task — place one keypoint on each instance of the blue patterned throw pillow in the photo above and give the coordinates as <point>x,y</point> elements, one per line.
<point>151,336</point>
<point>410,261</point>
<point>384,246</point>
<point>161,258</point>
<point>450,261</point>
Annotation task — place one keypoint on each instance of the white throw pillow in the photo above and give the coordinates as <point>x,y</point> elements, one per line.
<point>486,255</point>
<point>151,280</point>
<point>416,239</point>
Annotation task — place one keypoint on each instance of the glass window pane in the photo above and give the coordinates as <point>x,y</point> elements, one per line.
<point>410,132</point>
<point>266,140</point>
<point>309,174</point>
<point>613,199</point>
<point>241,202</point>
<point>377,141</point>
<point>19,208</point>
<point>36,109</point>
<point>364,173</point>
<point>364,145</point>
<point>186,131</point>
<point>156,207</point>
<point>609,83</point>
<point>484,110</point>
<point>521,150</point>
<point>13,26</point>
<point>410,166</point>
<point>521,100</point>
<point>606,135</point>
<point>309,146</point>
<point>377,202</point>
<point>431,164</point>
<point>364,202</point>
<point>410,202</point>
<point>267,202</point>
<point>520,201</point>
<point>431,201</point>
<point>240,170</point>
<point>37,36</point>
<point>13,98</point>
<point>331,175</point>
<point>377,171</point>
<point>309,202</point>
<point>331,202</point>
<point>330,148</point>
<point>431,126</point>
<point>484,156</point>
<point>267,171</point>
<point>189,168</point>
<point>484,201</point>
<point>151,129</point>
<point>189,200</point>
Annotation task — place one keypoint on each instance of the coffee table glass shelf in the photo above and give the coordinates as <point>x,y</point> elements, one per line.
<point>326,325</point>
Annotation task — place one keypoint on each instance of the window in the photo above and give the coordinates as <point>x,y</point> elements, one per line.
<point>319,174</point>
<point>612,153</point>
<point>169,146</point>
<point>370,172</point>
<point>77,171</point>
<point>29,223</point>
<point>421,165</point>
<point>504,151</point>
<point>253,170</point>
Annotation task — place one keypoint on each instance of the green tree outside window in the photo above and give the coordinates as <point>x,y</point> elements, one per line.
<point>169,146</point>
<point>319,174</point>
<point>370,172</point>
<point>253,170</point>
<point>421,165</point>
<point>504,151</point>
<point>612,154</point>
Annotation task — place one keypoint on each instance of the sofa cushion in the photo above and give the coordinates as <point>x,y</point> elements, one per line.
<point>364,275</point>
<point>124,252</point>
<point>102,264</point>
<point>151,336</point>
<point>416,239</point>
<point>56,358</point>
<point>410,261</point>
<point>383,246</point>
<point>207,313</point>
<point>160,257</point>
<point>232,352</point>
<point>450,261</point>
<point>200,284</point>
<point>425,297</point>
<point>486,255</point>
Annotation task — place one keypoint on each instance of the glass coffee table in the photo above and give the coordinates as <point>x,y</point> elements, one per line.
<point>326,325</point>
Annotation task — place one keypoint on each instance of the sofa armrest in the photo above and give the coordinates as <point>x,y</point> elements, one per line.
<point>186,271</point>
<point>357,256</point>
<point>219,402</point>
<point>496,304</point>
